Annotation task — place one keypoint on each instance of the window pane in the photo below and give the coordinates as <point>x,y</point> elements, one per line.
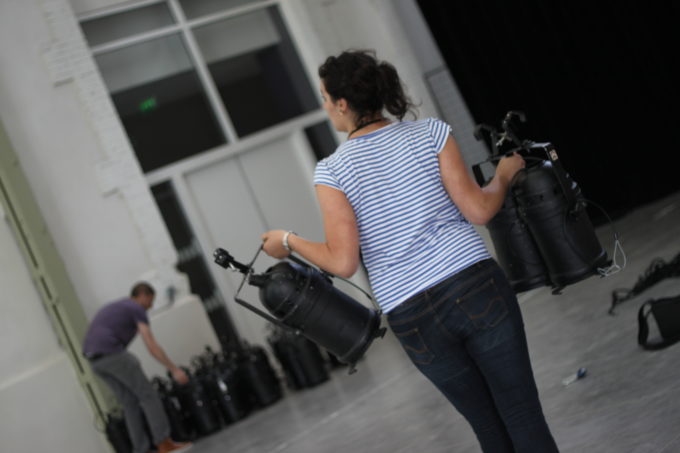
<point>160,101</point>
<point>256,69</point>
<point>197,8</point>
<point>321,139</point>
<point>117,26</point>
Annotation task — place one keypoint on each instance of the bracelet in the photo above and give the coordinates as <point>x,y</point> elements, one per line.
<point>285,240</point>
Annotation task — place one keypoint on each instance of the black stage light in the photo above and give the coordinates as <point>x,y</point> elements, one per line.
<point>542,234</point>
<point>302,299</point>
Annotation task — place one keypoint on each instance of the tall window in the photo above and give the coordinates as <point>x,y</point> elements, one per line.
<point>192,75</point>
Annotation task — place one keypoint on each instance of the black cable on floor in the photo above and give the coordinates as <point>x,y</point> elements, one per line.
<point>657,271</point>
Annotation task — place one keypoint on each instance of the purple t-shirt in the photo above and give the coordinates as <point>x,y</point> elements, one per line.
<point>113,327</point>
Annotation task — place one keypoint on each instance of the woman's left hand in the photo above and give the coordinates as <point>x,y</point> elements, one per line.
<point>272,244</point>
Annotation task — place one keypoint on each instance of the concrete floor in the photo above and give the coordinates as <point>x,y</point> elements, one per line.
<point>628,402</point>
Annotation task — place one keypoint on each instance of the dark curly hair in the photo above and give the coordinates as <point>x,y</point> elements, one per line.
<point>368,85</point>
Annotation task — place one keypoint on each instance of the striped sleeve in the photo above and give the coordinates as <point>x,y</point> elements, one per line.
<point>324,176</point>
<point>439,131</point>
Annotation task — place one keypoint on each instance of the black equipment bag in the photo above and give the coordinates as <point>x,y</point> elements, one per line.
<point>553,207</point>
<point>542,234</point>
<point>117,433</point>
<point>516,249</point>
<point>666,313</point>
<point>301,360</point>
<point>224,384</point>
<point>198,407</point>
<point>180,426</point>
<point>226,389</point>
<point>333,360</point>
<point>257,371</point>
<point>309,355</point>
<point>286,353</point>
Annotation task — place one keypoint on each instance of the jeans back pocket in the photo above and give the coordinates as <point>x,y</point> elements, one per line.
<point>484,305</point>
<point>413,344</point>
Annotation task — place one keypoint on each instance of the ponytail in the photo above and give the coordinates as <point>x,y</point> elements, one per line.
<point>391,91</point>
<point>368,86</point>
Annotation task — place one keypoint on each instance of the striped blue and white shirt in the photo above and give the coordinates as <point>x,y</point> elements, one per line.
<point>412,235</point>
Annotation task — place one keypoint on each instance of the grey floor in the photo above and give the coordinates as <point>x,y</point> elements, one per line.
<point>629,400</point>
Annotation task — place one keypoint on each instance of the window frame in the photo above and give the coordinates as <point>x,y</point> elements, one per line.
<point>234,144</point>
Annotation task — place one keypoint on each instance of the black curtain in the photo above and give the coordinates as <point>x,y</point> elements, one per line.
<point>598,79</point>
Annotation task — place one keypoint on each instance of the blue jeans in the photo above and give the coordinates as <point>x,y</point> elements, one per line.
<point>466,335</point>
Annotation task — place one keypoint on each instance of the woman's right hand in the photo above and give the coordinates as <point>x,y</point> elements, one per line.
<point>508,166</point>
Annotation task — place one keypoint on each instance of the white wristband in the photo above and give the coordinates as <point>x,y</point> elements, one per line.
<point>285,240</point>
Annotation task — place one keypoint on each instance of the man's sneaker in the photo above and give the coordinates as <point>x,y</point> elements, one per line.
<point>168,445</point>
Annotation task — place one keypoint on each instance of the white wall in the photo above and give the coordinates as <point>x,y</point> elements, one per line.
<point>88,6</point>
<point>63,128</point>
<point>23,321</point>
<point>169,327</point>
<point>38,386</point>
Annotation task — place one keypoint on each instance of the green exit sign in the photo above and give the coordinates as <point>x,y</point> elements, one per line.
<point>148,105</point>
